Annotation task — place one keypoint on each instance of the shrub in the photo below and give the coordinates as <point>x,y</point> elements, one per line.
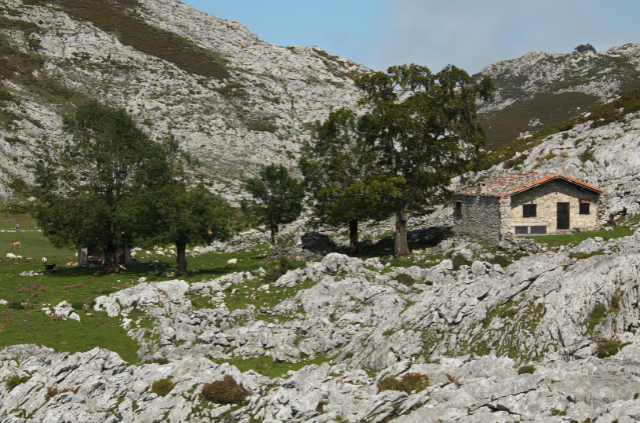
<point>16,305</point>
<point>162,387</point>
<point>225,391</point>
<point>460,261</point>
<point>526,370</point>
<point>583,48</point>
<point>14,381</point>
<point>162,360</point>
<point>77,305</point>
<point>608,347</point>
<point>405,279</point>
<point>410,382</point>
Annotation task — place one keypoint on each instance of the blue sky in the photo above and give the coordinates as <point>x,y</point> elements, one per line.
<point>467,33</point>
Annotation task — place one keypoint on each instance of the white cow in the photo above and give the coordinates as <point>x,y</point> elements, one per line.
<point>232,262</point>
<point>148,253</point>
<point>11,256</point>
<point>160,253</point>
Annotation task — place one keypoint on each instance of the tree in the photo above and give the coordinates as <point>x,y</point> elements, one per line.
<point>84,184</point>
<point>333,176</point>
<point>277,197</point>
<point>170,209</point>
<point>583,48</point>
<point>422,130</point>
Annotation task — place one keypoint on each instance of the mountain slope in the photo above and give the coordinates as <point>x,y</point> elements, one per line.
<point>542,89</point>
<point>233,100</point>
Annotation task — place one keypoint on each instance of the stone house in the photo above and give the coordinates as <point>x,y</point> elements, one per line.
<point>528,204</point>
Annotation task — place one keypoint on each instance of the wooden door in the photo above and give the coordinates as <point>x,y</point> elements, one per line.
<point>563,216</point>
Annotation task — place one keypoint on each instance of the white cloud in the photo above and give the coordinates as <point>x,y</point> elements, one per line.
<point>472,34</point>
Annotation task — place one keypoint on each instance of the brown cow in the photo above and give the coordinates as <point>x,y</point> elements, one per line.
<point>16,245</point>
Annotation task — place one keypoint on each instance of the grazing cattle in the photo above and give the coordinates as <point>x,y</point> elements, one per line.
<point>232,262</point>
<point>133,254</point>
<point>187,251</point>
<point>148,254</point>
<point>11,256</point>
<point>160,253</point>
<point>44,261</point>
<point>15,245</point>
<point>197,251</point>
<point>172,253</point>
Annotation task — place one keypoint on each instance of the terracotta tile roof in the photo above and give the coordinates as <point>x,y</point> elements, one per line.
<point>512,183</point>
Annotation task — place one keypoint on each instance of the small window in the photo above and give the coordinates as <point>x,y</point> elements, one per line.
<point>538,230</point>
<point>522,230</point>
<point>459,208</point>
<point>529,210</point>
<point>584,208</point>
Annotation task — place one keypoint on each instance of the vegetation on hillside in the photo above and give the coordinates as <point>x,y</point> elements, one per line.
<point>119,17</point>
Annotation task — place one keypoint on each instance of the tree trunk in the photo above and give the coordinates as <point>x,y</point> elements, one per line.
<point>274,232</point>
<point>181,260</point>
<point>401,244</point>
<point>353,237</point>
<point>109,256</point>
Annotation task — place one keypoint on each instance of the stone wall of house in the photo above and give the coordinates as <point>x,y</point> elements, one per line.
<point>480,218</point>
<point>546,197</point>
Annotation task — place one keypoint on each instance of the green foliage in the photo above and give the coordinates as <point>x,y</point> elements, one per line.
<point>16,305</point>
<point>77,305</point>
<point>526,370</point>
<point>335,177</point>
<point>225,391</point>
<point>120,18</point>
<point>608,347</point>
<point>406,279</point>
<point>582,256</point>
<point>576,238</point>
<point>409,383</point>
<point>583,48</point>
<point>595,317</point>
<point>422,130</point>
<point>459,260</point>
<point>162,387</point>
<point>586,156</point>
<point>84,185</point>
<point>277,197</point>
<point>15,380</point>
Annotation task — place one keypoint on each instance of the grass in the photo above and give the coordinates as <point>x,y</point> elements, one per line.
<point>21,321</point>
<point>608,347</point>
<point>578,237</point>
<point>266,366</point>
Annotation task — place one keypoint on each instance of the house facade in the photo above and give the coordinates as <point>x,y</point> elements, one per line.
<point>528,204</point>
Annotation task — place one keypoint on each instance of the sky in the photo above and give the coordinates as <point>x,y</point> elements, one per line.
<point>470,34</point>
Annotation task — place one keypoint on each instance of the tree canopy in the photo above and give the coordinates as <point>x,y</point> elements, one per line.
<point>83,185</point>
<point>277,197</point>
<point>422,130</point>
<point>169,209</point>
<point>333,175</point>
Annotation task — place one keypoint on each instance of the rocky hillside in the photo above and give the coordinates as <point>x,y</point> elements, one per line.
<point>541,89</point>
<point>233,100</point>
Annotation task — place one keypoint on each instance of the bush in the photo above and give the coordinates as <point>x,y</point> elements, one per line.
<point>14,381</point>
<point>608,347</point>
<point>406,279</point>
<point>410,382</point>
<point>162,387</point>
<point>16,305</point>
<point>583,48</point>
<point>225,391</point>
<point>77,305</point>
<point>460,261</point>
<point>526,370</point>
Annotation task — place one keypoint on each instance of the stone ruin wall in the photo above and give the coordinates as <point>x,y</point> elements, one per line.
<point>546,197</point>
<point>480,218</point>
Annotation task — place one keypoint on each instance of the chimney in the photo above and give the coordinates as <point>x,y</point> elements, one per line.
<point>483,187</point>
